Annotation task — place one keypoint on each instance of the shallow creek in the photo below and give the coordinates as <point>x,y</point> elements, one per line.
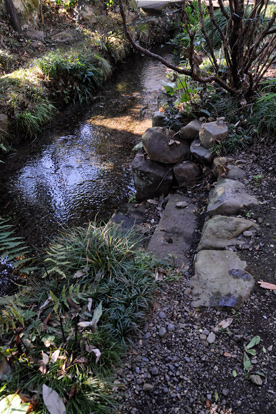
<point>80,167</point>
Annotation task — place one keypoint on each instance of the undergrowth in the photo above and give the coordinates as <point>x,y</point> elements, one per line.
<point>68,329</point>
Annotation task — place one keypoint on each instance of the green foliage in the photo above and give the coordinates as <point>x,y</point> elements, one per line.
<point>31,120</point>
<point>237,139</point>
<point>186,92</point>
<point>12,248</point>
<point>249,351</point>
<point>6,60</point>
<point>75,76</point>
<point>182,40</point>
<point>69,328</point>
<point>263,112</point>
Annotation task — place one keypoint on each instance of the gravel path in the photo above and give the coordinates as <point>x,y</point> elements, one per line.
<point>180,363</point>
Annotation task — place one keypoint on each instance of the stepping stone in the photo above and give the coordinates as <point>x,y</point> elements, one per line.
<point>175,232</point>
<point>229,197</point>
<point>221,231</point>
<point>220,280</point>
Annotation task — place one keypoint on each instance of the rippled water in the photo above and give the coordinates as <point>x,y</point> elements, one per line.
<point>81,168</point>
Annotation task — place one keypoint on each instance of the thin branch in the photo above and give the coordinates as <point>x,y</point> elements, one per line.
<point>146,51</point>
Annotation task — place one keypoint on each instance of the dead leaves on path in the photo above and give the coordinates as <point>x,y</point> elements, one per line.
<point>266,285</point>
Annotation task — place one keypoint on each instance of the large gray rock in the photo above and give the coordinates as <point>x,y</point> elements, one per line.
<point>35,35</point>
<point>220,280</point>
<point>162,146</point>
<point>150,178</point>
<point>200,153</point>
<point>222,231</point>
<point>159,119</point>
<point>63,37</point>
<point>229,197</point>
<point>174,235</point>
<point>190,131</point>
<point>213,132</point>
<point>187,173</point>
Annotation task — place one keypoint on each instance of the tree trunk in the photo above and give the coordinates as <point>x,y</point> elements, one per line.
<point>13,15</point>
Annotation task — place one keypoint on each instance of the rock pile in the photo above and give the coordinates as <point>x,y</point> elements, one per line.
<point>220,276</point>
<point>171,158</point>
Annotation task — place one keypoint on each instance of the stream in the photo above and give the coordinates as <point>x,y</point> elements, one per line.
<point>79,168</point>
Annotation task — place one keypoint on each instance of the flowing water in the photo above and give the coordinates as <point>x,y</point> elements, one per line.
<point>80,168</point>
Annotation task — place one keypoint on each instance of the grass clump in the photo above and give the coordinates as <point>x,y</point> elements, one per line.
<point>68,329</point>
<point>31,95</point>
<point>74,76</point>
<point>263,111</point>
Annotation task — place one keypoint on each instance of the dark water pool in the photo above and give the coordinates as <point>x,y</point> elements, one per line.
<point>80,168</point>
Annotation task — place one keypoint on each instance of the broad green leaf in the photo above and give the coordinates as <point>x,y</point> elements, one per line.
<point>251,351</point>
<point>254,341</point>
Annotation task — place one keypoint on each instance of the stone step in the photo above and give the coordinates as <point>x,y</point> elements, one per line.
<point>220,280</point>
<point>175,233</point>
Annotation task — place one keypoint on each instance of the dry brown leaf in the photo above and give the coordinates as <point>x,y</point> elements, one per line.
<point>266,285</point>
<point>223,324</point>
<point>227,354</point>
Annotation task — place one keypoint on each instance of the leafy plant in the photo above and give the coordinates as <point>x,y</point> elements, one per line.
<point>12,248</point>
<point>249,351</point>
<point>66,330</point>
<point>73,77</point>
<point>263,115</point>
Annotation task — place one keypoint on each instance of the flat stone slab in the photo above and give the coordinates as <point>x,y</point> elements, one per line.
<point>221,231</point>
<point>229,197</point>
<point>175,232</point>
<point>220,280</point>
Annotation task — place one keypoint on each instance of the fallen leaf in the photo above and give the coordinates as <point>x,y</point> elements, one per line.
<point>223,324</point>
<point>52,400</point>
<point>72,392</point>
<point>89,307</point>
<point>208,404</point>
<point>226,354</point>
<point>78,274</point>
<point>55,355</point>
<point>266,285</point>
<point>42,307</point>
<point>45,358</point>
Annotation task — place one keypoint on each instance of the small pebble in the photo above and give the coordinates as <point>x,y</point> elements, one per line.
<point>162,315</point>
<point>147,387</point>
<point>155,371</point>
<point>211,338</point>
<point>225,391</point>
<point>162,332</point>
<point>171,327</point>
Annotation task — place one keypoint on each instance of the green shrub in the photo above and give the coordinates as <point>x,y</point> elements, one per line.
<point>68,329</point>
<point>75,76</point>
<point>263,118</point>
